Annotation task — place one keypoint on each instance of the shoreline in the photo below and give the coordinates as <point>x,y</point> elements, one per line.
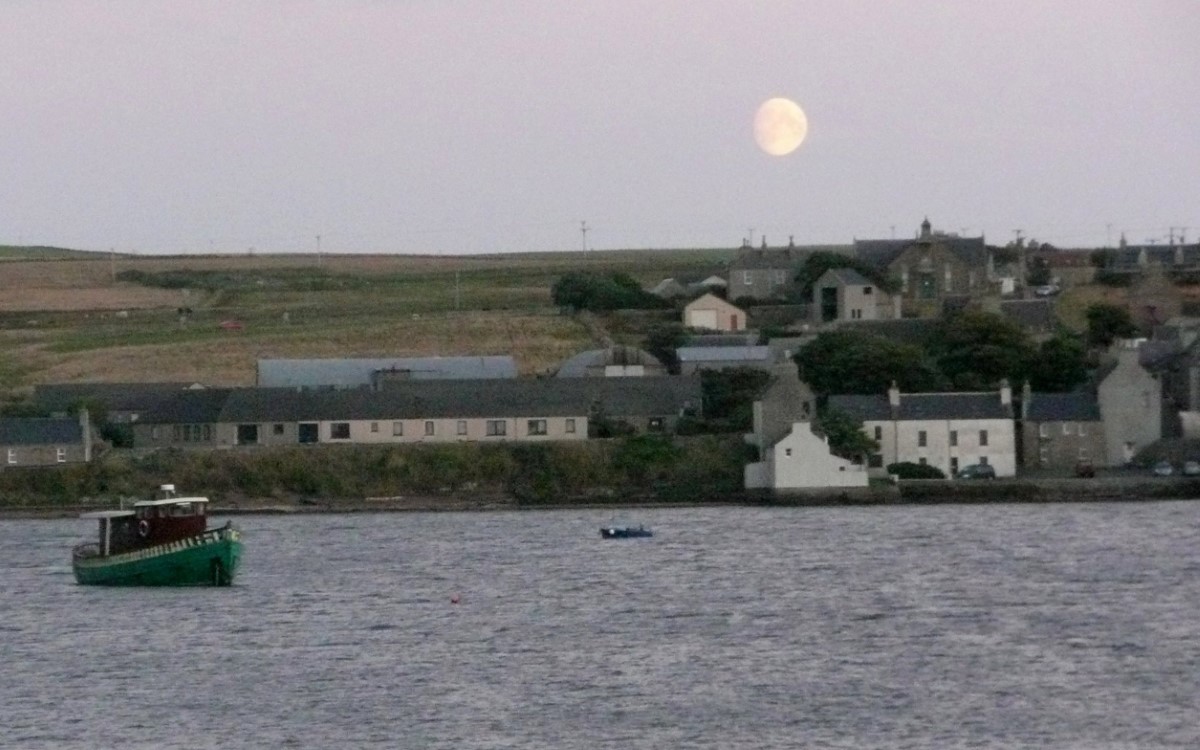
<point>907,493</point>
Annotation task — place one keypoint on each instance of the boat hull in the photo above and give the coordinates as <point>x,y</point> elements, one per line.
<point>624,532</point>
<point>208,559</point>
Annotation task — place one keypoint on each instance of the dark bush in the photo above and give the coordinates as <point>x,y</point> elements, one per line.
<point>910,470</point>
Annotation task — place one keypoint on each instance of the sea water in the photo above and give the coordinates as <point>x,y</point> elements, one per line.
<point>1064,626</point>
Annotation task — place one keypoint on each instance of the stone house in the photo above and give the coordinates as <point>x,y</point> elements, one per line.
<point>52,441</point>
<point>1058,430</point>
<point>712,313</point>
<point>845,295</point>
<point>932,266</point>
<point>770,273</point>
<point>945,430</point>
<point>1131,404</point>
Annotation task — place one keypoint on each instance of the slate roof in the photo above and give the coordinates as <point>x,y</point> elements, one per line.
<point>723,353</point>
<point>782,257</point>
<point>881,253</point>
<point>23,431</point>
<point>722,339</point>
<point>59,397</point>
<point>922,406</point>
<point>348,373</point>
<point>188,407</point>
<point>420,399</point>
<point>1078,406</point>
<point>1127,257</point>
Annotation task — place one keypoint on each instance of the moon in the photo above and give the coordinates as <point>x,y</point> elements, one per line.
<point>780,126</point>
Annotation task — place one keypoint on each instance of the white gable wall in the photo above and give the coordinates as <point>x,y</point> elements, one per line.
<point>802,460</point>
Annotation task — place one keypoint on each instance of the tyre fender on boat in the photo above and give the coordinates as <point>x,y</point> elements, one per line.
<point>143,528</point>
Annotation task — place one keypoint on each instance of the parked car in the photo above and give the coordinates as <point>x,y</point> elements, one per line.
<point>977,471</point>
<point>1085,469</point>
<point>1191,468</point>
<point>1047,290</point>
<point>1164,469</point>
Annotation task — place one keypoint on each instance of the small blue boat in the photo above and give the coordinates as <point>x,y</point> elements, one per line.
<point>624,532</point>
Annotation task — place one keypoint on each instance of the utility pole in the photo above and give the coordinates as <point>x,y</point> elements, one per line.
<point>583,230</point>
<point>318,249</point>
<point>457,293</point>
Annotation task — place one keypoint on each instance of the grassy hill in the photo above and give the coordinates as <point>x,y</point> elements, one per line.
<point>76,316</point>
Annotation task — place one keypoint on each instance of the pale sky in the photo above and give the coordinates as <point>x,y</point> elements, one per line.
<point>479,126</point>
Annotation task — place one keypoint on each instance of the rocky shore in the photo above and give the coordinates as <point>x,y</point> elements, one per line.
<point>1121,488</point>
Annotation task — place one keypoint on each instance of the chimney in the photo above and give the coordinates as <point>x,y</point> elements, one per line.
<point>1026,397</point>
<point>85,428</point>
<point>1005,393</point>
<point>894,395</point>
<point>764,242</point>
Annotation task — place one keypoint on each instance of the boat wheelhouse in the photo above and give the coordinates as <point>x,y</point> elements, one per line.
<point>161,542</point>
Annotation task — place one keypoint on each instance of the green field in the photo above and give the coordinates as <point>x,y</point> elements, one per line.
<point>70,316</point>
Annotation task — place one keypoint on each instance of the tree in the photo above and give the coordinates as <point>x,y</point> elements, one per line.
<point>845,434</point>
<point>1106,323</point>
<point>851,362</point>
<point>664,341</point>
<point>820,262</point>
<point>612,291</point>
<point>977,349</point>
<point>729,397</point>
<point>1060,366</point>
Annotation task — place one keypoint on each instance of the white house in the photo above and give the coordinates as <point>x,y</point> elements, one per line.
<point>802,460</point>
<point>713,313</point>
<point>946,430</point>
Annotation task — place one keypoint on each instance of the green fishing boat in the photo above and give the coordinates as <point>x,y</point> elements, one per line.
<point>161,542</point>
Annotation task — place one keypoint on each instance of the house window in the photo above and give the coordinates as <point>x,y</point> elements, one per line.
<point>983,460</point>
<point>247,434</point>
<point>953,437</point>
<point>60,455</point>
<point>1043,455</point>
<point>953,463</point>
<point>787,452</point>
<point>208,433</point>
<point>1043,430</point>
<point>1082,431</point>
<point>878,432</point>
<point>923,461</point>
<point>537,427</point>
<point>1066,427</point>
<point>922,440</point>
<point>570,428</point>
<point>982,438</point>
<point>429,427</point>
<point>461,427</point>
<point>154,432</point>
<point>339,431</point>
<point>496,427</point>
<point>398,429</point>
<point>655,424</point>
<point>866,290</point>
<point>781,277</point>
<point>277,429</point>
<point>12,455</point>
<point>875,460</point>
<point>374,427</point>
<point>746,278</point>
